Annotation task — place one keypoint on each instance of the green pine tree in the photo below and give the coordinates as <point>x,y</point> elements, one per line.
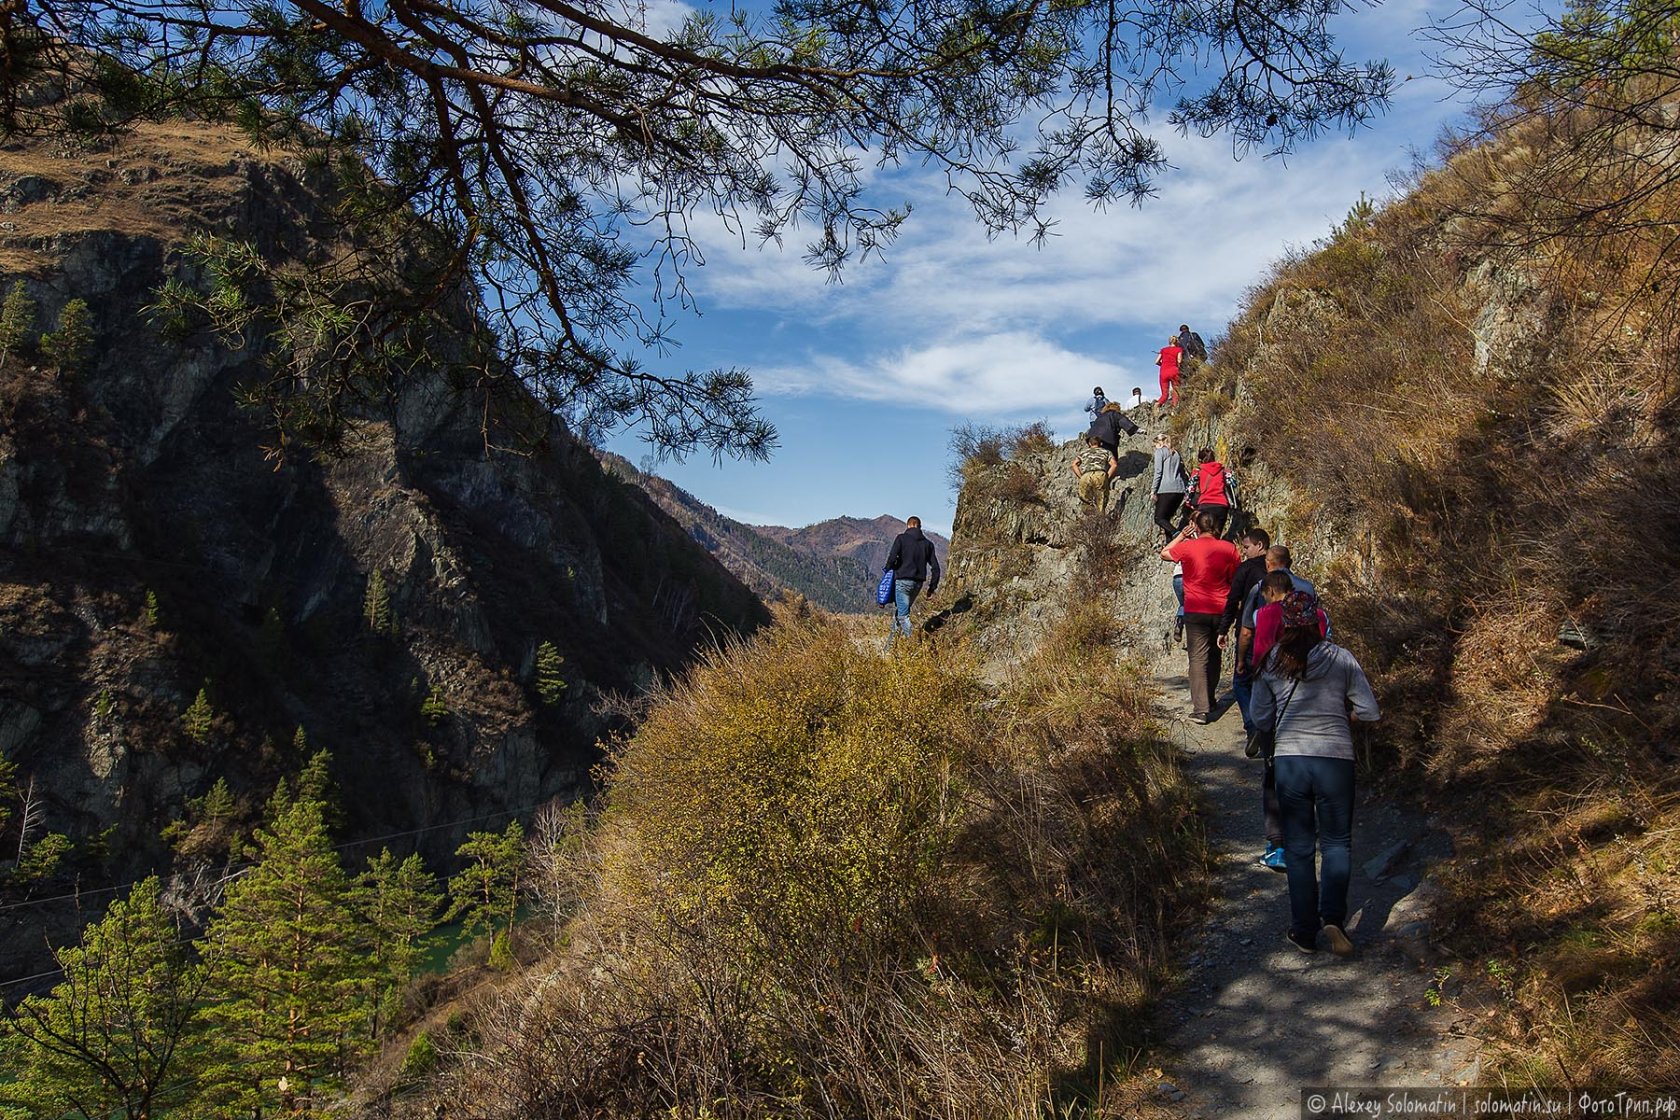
<point>551,686</point>
<point>288,959</point>
<point>486,892</point>
<point>400,903</point>
<point>69,346</point>
<point>17,322</point>
<point>434,708</point>
<point>150,614</point>
<point>199,718</point>
<point>117,1037</point>
<point>376,605</point>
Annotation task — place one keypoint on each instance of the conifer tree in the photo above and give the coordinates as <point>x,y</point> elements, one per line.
<point>288,961</point>
<point>116,1037</point>
<point>69,346</point>
<point>376,605</point>
<point>551,686</point>
<point>150,614</point>
<point>434,708</point>
<point>17,322</point>
<point>199,718</point>
<point>400,902</point>
<point>486,892</point>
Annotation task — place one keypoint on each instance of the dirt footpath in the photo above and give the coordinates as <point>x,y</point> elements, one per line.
<point>1254,1021</point>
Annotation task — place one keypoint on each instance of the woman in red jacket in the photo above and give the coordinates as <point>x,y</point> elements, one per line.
<point>1168,361</point>
<point>1207,489</point>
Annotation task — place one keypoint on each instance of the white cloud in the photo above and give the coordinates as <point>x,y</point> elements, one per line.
<point>1009,374</point>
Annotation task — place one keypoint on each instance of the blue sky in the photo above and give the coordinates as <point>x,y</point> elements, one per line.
<point>866,378</point>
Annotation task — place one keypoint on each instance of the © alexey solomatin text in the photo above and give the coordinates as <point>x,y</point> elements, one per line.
<point>1471,1104</point>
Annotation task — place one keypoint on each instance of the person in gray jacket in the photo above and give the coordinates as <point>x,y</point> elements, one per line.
<point>1166,485</point>
<point>1305,693</point>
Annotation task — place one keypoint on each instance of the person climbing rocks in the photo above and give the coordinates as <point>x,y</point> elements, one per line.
<point>914,562</point>
<point>1109,425</point>
<point>1252,546</point>
<point>1191,343</point>
<point>1137,396</point>
<point>1094,467</point>
<point>1167,484</point>
<point>1304,694</point>
<point>1168,360</point>
<point>1209,563</point>
<point>1207,489</point>
<point>1097,402</point>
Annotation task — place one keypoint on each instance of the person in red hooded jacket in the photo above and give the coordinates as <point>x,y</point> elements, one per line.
<point>1208,491</point>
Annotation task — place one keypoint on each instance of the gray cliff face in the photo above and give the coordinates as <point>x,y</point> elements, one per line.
<point>140,475</point>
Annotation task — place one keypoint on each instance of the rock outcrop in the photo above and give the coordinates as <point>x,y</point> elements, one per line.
<point>149,549</point>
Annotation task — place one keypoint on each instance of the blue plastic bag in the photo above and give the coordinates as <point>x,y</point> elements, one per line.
<point>884,593</point>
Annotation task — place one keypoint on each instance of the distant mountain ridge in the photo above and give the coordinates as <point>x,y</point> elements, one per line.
<point>832,563</point>
<point>866,541</point>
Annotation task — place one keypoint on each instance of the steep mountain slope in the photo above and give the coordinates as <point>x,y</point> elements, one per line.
<point>389,601</point>
<point>832,563</point>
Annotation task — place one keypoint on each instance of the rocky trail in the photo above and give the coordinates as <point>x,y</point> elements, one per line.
<point>1253,1021</point>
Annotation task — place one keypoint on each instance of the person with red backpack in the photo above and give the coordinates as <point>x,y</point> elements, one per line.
<point>1208,490</point>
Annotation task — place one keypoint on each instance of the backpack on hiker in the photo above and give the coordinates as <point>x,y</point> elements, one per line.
<point>1197,348</point>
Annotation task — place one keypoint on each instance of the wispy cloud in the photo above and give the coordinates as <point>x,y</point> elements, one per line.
<point>1012,373</point>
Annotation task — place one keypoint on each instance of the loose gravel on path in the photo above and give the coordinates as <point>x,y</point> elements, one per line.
<point>1254,1021</point>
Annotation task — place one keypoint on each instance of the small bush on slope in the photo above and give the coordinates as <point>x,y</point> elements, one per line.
<point>831,883</point>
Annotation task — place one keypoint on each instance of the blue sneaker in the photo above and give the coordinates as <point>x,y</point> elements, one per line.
<point>1274,858</point>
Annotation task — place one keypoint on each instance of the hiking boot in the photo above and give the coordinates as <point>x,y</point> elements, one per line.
<point>1251,748</point>
<point>1338,941</point>
<point>1198,717</point>
<point>1178,630</point>
<point>1308,944</point>
<point>1274,859</point>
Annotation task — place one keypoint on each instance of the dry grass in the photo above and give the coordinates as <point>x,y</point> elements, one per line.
<point>832,884</point>
<point>1470,512</point>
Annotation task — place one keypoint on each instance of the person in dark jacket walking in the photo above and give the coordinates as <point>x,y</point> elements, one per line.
<point>913,562</point>
<point>1253,544</point>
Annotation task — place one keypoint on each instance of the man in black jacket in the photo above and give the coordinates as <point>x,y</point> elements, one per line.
<point>912,559</point>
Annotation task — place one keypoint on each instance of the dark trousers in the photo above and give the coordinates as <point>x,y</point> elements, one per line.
<point>1165,506</point>
<point>1220,514</point>
<point>1201,636</point>
<point>1269,810</point>
<point>1315,796</point>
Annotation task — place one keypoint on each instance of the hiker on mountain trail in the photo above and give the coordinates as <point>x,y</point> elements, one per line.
<point>1278,559</point>
<point>1168,360</point>
<point>1268,624</point>
<point>1096,403</point>
<point>1207,489</point>
<point>1209,564</point>
<point>1109,425</point>
<point>1167,484</point>
<point>1304,694</point>
<point>1191,343</point>
<point>1252,546</point>
<point>1094,467</point>
<point>913,562</point>
<point>1137,396</point>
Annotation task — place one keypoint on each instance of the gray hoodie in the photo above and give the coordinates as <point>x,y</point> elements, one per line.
<point>1315,714</point>
<point>1168,477</point>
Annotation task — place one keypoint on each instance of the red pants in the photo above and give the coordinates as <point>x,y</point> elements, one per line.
<point>1169,385</point>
